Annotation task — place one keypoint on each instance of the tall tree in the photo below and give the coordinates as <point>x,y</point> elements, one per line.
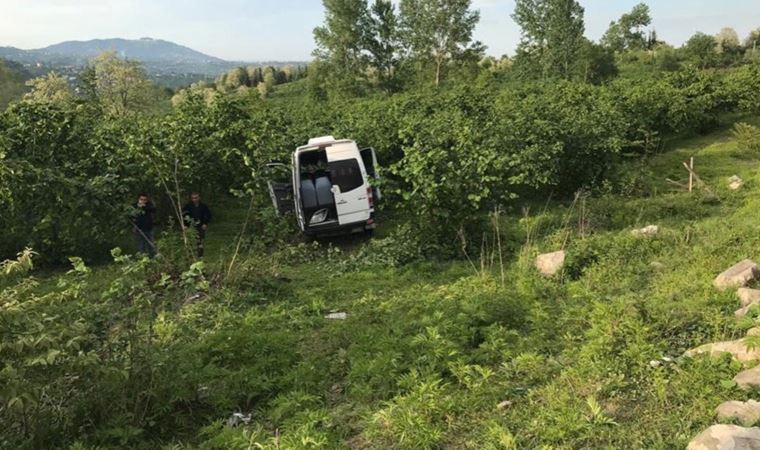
<point>613,38</point>
<point>382,41</point>
<point>629,32</point>
<point>728,47</point>
<point>727,41</point>
<point>237,78</point>
<point>700,49</point>
<point>552,36</point>
<point>752,42</point>
<point>121,85</point>
<point>341,38</point>
<point>752,46</point>
<point>439,31</point>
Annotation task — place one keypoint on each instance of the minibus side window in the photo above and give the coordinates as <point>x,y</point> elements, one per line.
<point>346,174</point>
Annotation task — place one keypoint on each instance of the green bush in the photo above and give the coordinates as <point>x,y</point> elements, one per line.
<point>748,137</point>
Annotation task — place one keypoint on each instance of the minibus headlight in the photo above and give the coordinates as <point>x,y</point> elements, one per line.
<point>318,217</point>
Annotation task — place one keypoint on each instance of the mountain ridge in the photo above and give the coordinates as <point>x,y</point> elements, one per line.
<point>144,49</point>
<point>168,63</point>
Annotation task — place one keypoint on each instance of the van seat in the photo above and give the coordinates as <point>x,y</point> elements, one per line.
<point>308,193</point>
<point>324,191</point>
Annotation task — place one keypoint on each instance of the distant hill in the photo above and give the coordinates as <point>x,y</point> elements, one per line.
<point>167,63</point>
<point>145,49</point>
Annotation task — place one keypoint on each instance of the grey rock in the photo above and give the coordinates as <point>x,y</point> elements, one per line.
<point>747,413</point>
<point>735,183</point>
<point>749,378</point>
<point>550,263</point>
<point>504,405</point>
<point>737,349</point>
<point>649,231</point>
<point>748,296</point>
<point>726,437</point>
<point>737,276</point>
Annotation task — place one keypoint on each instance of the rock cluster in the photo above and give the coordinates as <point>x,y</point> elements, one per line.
<point>747,413</point>
<point>749,298</point>
<point>737,276</point>
<point>733,437</point>
<point>726,437</point>
<point>738,349</point>
<point>748,379</point>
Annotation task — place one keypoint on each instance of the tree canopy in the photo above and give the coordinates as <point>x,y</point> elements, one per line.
<point>628,33</point>
<point>552,36</point>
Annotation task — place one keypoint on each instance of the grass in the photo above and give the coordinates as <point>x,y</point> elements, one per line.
<point>428,352</point>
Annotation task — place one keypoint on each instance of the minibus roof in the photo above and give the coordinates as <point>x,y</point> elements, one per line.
<point>320,145</point>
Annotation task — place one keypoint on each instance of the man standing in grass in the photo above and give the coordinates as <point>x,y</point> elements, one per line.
<point>198,215</point>
<point>142,225</point>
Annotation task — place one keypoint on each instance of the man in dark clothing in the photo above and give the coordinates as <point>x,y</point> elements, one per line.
<point>142,225</point>
<point>198,215</point>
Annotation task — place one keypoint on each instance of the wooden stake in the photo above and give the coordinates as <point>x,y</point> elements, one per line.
<point>691,174</point>
<point>699,181</point>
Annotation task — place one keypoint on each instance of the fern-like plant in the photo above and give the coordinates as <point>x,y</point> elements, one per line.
<point>748,136</point>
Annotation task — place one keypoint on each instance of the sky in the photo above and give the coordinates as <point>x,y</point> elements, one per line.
<point>268,30</point>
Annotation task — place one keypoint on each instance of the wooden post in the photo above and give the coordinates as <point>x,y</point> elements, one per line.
<point>691,174</point>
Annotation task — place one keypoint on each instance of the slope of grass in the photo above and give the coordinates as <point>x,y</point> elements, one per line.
<point>432,354</point>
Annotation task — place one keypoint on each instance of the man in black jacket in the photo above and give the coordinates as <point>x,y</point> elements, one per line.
<point>198,215</point>
<point>142,225</point>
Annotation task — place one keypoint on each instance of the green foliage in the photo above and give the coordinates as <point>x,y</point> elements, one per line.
<point>432,352</point>
<point>627,33</point>
<point>383,43</point>
<point>596,63</point>
<point>415,420</point>
<point>552,37</point>
<point>450,155</point>
<point>240,79</point>
<point>700,49</point>
<point>748,137</point>
<point>21,265</point>
<point>160,353</point>
<point>402,247</point>
<point>742,89</point>
<point>341,40</point>
<point>58,184</point>
<point>438,32</point>
<point>51,88</point>
<point>121,86</point>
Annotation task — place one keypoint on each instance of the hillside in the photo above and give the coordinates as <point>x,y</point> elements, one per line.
<point>145,49</point>
<point>12,79</point>
<point>169,63</point>
<point>439,354</point>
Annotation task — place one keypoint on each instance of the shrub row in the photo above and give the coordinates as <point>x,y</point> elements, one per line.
<point>68,172</point>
